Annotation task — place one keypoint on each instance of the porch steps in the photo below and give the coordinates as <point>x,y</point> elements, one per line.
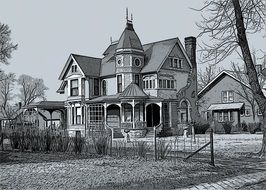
<point>150,134</point>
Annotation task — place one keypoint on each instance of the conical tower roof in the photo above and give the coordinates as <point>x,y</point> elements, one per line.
<point>129,39</point>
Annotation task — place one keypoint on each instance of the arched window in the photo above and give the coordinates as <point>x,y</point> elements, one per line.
<point>104,87</point>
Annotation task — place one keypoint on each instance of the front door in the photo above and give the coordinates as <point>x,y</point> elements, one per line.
<point>153,115</point>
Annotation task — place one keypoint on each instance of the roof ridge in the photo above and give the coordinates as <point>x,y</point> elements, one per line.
<point>160,41</point>
<point>85,56</point>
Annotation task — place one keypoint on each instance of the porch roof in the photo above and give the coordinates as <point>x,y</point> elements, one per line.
<point>53,105</point>
<point>133,91</point>
<point>226,106</point>
<point>102,99</point>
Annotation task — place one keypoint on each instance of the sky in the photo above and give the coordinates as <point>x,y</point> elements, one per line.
<point>48,31</point>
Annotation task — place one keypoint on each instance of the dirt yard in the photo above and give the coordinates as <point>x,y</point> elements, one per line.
<point>63,171</point>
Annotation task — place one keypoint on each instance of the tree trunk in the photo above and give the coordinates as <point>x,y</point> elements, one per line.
<point>251,71</point>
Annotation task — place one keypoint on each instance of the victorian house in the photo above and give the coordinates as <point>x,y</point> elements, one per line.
<point>132,86</point>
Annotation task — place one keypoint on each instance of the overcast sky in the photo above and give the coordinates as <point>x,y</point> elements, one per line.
<point>48,31</point>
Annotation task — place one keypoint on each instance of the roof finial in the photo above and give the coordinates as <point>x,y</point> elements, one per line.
<point>127,13</point>
<point>131,17</point>
<point>111,40</point>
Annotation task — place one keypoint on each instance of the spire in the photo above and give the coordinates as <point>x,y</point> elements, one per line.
<point>127,14</point>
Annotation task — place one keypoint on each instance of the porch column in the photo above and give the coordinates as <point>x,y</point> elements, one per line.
<point>82,112</point>
<point>133,115</point>
<point>105,113</point>
<point>161,112</point>
<point>188,113</point>
<point>121,115</point>
<point>170,114</point>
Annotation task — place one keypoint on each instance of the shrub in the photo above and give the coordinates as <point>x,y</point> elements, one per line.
<point>244,126</point>
<point>201,128</point>
<point>227,127</point>
<point>141,148</point>
<point>101,144</point>
<point>254,127</point>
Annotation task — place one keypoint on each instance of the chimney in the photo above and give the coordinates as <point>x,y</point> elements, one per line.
<point>190,46</point>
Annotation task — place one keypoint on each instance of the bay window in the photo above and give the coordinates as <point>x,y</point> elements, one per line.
<point>74,88</point>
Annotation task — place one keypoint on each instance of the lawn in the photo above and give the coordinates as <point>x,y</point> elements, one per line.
<point>68,171</point>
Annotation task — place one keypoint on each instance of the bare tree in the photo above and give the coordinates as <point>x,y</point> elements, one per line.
<point>227,23</point>
<point>206,76</point>
<point>244,92</point>
<point>6,94</point>
<point>31,89</point>
<point>6,46</point>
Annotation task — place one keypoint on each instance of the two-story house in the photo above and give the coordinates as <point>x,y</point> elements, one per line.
<point>228,98</point>
<point>133,85</point>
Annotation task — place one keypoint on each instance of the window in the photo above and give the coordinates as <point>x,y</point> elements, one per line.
<point>128,113</point>
<point>160,83</point>
<point>166,84</point>
<point>137,62</point>
<point>74,89</point>
<point>227,96</point>
<point>119,61</point>
<point>259,112</point>
<point>175,62</point>
<point>78,115</point>
<point>247,112</point>
<point>119,83</point>
<point>96,87</point>
<point>137,80</point>
<point>104,87</point>
<point>74,68</point>
<point>172,84</point>
<point>224,116</point>
<point>96,113</point>
<point>242,112</point>
<point>179,64</point>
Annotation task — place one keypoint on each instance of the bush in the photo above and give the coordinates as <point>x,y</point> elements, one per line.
<point>227,127</point>
<point>244,126</point>
<point>141,148</point>
<point>254,127</point>
<point>201,128</point>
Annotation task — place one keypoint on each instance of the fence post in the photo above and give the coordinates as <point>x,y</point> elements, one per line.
<point>211,146</point>
<point>111,142</point>
<point>155,148</point>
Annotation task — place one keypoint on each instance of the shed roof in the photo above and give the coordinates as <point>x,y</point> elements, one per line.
<point>226,106</point>
<point>56,105</point>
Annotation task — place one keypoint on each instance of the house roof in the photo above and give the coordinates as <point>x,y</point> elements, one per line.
<point>220,76</point>
<point>129,39</point>
<point>226,106</point>
<point>90,66</point>
<point>56,105</point>
<point>133,91</point>
<point>155,54</point>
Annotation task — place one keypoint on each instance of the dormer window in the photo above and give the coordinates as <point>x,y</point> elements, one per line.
<point>175,63</point>
<point>74,68</point>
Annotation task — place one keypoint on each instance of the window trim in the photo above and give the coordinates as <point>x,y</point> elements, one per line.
<point>74,88</point>
<point>119,83</point>
<point>227,96</point>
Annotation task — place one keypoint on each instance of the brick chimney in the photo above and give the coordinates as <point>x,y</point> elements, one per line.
<point>190,46</point>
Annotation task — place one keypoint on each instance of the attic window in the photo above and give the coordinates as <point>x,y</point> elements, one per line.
<point>74,68</point>
<point>175,62</point>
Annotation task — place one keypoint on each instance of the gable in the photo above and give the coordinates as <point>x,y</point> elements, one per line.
<point>221,77</point>
<point>87,66</point>
<point>177,53</point>
<point>73,69</point>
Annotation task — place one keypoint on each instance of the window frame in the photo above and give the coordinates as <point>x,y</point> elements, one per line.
<point>119,83</point>
<point>74,91</point>
<point>96,88</point>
